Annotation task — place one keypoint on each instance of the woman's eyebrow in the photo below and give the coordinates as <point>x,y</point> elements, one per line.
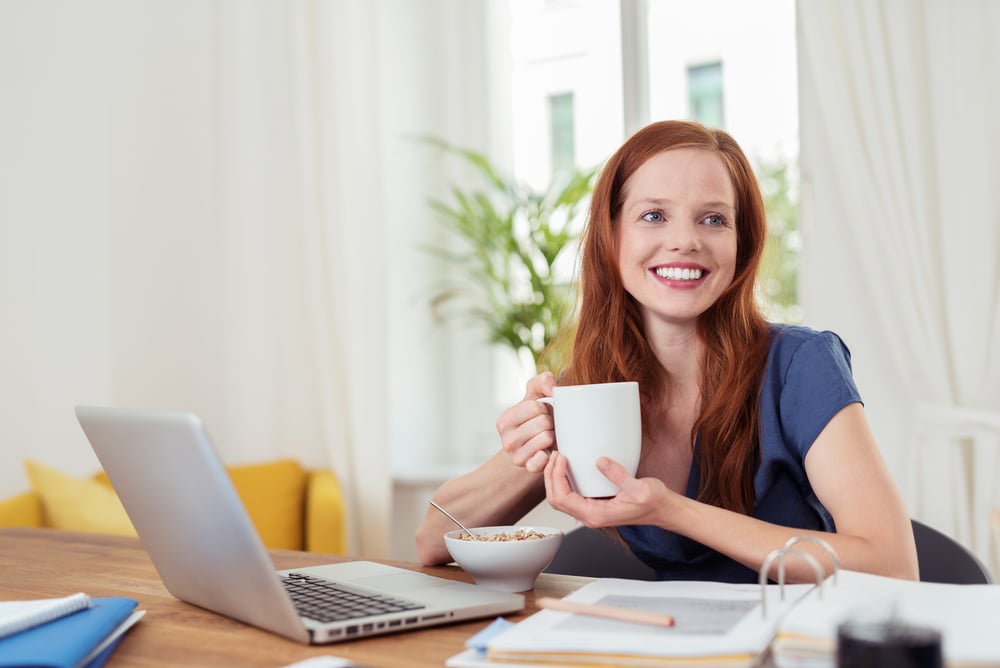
<point>649,201</point>
<point>662,201</point>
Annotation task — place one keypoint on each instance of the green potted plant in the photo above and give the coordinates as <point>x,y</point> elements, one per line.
<point>508,243</point>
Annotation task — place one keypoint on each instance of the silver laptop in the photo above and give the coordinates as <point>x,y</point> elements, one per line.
<point>205,548</point>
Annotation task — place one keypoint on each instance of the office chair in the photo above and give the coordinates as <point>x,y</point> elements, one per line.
<point>588,552</point>
<point>944,559</point>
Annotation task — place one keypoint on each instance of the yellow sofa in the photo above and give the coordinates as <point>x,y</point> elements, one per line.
<point>291,507</point>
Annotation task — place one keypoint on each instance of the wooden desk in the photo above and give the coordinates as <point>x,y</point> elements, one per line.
<point>36,563</point>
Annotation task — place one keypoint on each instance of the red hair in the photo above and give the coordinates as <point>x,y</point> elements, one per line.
<point>609,343</point>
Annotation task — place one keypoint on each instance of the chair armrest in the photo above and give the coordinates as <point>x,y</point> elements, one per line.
<point>23,510</point>
<point>326,519</point>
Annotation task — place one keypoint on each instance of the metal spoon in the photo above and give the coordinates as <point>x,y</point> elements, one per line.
<point>453,519</point>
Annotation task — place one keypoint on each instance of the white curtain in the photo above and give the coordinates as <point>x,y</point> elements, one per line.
<point>212,206</point>
<point>297,135</point>
<point>900,160</point>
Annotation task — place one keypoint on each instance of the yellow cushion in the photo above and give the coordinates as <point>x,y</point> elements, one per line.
<point>325,514</point>
<point>103,478</point>
<point>75,504</point>
<point>23,510</point>
<point>274,495</point>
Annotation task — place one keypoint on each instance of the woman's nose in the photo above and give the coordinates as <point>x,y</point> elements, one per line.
<point>681,237</point>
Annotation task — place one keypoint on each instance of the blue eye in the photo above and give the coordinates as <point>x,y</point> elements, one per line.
<point>715,220</point>
<point>652,217</point>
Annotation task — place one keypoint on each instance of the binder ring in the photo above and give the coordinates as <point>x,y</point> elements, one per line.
<point>822,543</point>
<point>780,555</point>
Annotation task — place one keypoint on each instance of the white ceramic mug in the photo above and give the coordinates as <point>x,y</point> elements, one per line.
<point>598,420</point>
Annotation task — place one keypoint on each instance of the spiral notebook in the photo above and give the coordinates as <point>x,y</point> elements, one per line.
<point>17,616</point>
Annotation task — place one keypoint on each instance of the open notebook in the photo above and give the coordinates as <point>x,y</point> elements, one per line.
<point>205,548</point>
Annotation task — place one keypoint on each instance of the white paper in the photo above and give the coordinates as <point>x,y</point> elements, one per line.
<point>712,620</point>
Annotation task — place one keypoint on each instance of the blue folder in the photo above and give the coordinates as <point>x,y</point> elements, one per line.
<point>68,641</point>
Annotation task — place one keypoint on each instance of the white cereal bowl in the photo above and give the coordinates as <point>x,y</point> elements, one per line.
<point>506,565</point>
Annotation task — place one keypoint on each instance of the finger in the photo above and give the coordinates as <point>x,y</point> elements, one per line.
<point>557,484</point>
<point>525,439</point>
<point>561,496</point>
<point>627,484</point>
<point>613,471</point>
<point>540,386</point>
<point>530,451</point>
<point>547,473</point>
<point>522,420</point>
<point>538,461</point>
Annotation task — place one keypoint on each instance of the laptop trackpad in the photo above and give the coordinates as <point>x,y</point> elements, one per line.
<point>383,578</point>
<point>398,582</point>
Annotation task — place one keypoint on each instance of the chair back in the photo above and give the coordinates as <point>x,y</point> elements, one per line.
<point>943,559</point>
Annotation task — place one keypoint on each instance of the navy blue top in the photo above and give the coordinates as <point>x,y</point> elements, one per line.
<point>807,381</point>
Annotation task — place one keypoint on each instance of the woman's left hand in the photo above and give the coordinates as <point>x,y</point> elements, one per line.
<point>639,500</point>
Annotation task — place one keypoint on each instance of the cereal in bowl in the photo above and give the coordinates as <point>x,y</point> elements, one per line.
<point>520,534</point>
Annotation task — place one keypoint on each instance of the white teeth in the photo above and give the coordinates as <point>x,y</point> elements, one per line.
<point>676,274</point>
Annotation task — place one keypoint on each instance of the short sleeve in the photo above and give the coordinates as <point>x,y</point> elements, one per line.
<point>817,384</point>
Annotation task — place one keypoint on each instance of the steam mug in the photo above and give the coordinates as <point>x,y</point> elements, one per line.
<point>592,421</point>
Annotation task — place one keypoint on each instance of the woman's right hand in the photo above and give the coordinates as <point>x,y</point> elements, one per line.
<point>527,431</point>
<point>506,487</point>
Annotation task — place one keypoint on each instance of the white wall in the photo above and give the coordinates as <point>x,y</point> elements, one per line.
<point>55,232</point>
<point>114,221</point>
<point>134,148</point>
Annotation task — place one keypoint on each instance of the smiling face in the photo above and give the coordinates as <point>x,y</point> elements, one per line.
<point>676,236</point>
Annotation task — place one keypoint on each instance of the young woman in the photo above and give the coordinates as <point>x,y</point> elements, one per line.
<point>753,432</point>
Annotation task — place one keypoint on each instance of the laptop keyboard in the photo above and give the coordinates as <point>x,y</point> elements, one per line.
<point>327,601</point>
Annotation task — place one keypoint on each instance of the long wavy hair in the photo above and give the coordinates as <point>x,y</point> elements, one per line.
<point>609,343</point>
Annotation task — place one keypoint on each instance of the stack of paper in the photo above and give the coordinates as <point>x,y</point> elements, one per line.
<point>73,631</point>
<point>716,624</point>
<point>723,625</point>
<point>967,616</point>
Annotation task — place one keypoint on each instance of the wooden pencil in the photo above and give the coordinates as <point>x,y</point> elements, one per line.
<point>606,611</point>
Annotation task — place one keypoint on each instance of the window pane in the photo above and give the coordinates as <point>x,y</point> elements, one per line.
<point>705,94</point>
<point>563,136</point>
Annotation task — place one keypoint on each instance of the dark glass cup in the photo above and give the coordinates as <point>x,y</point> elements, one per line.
<point>888,645</point>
